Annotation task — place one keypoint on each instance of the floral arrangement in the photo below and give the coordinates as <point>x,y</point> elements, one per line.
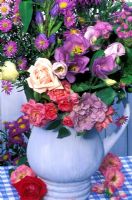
<point>71,57</point>
<point>23,177</point>
<point>13,142</point>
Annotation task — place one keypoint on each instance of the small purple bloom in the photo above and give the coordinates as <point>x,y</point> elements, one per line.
<point>69,19</point>
<point>22,63</point>
<point>55,10</point>
<point>39,18</point>
<point>41,42</point>
<point>88,112</point>
<point>7,87</point>
<point>52,38</point>
<point>65,5</point>
<point>89,2</point>
<point>10,49</point>
<point>103,66</point>
<point>5,25</point>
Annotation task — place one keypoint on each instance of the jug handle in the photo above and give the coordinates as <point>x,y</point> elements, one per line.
<point>110,140</point>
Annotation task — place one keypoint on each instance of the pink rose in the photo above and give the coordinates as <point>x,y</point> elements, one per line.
<point>65,105</point>
<point>115,50</point>
<point>42,78</point>
<point>21,172</point>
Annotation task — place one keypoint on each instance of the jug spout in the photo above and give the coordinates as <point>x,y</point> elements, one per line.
<point>109,141</point>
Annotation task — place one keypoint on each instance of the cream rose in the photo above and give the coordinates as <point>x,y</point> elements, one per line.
<point>42,78</point>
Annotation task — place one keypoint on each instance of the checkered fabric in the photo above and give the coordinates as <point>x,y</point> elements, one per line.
<point>7,192</point>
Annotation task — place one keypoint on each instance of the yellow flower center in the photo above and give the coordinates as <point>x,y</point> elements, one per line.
<point>3,9</point>
<point>77,50</point>
<point>20,120</point>
<point>5,25</point>
<point>73,68</point>
<point>22,126</point>
<point>10,48</point>
<point>59,69</point>
<point>63,5</point>
<point>17,138</point>
<point>73,31</point>
<point>5,157</point>
<point>42,42</point>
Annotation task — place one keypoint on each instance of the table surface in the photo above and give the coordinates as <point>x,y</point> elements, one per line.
<point>7,192</point>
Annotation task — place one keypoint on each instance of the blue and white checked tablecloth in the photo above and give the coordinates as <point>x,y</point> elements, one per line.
<point>7,192</point>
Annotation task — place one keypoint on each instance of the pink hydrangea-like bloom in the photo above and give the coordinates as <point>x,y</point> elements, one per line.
<point>88,112</point>
<point>114,177</point>
<point>21,172</point>
<point>5,25</point>
<point>104,28</point>
<point>110,160</point>
<point>10,49</point>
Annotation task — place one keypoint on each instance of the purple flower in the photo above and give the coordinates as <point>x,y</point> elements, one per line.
<point>10,49</point>
<point>89,2</point>
<point>79,65</point>
<point>104,28</point>
<point>16,139</point>
<point>39,18</point>
<point>5,25</point>
<point>103,66</point>
<point>55,10</point>
<point>88,112</point>
<point>41,42</point>
<point>7,87</point>
<point>65,5</point>
<point>69,19</point>
<point>23,124</point>
<point>52,38</point>
<point>22,63</point>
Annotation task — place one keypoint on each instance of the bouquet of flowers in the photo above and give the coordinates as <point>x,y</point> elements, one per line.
<point>71,57</point>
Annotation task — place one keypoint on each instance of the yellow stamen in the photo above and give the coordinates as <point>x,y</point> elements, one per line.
<point>63,5</point>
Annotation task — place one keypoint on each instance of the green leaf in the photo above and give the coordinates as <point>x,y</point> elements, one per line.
<point>81,133</point>
<point>107,95</point>
<point>81,87</point>
<point>127,79</point>
<point>28,92</point>
<point>37,96</point>
<point>56,28</point>
<point>97,54</point>
<point>26,12</point>
<point>63,132</point>
<point>22,160</point>
<point>53,125</point>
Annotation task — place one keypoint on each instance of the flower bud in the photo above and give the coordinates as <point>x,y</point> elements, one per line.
<point>39,18</point>
<point>55,10</point>
<point>109,81</point>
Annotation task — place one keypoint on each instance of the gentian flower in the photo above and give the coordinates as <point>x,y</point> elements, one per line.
<point>103,66</point>
<point>55,10</point>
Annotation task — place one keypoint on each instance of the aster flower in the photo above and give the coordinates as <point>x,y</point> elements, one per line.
<point>16,139</point>
<point>87,112</point>
<point>65,5</point>
<point>10,49</point>
<point>7,87</point>
<point>121,120</point>
<point>69,19</point>
<point>41,42</point>
<point>4,9</point>
<point>22,63</point>
<point>89,2</point>
<point>5,25</point>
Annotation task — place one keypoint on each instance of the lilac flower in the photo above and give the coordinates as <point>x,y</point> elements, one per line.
<point>60,69</point>
<point>88,112</point>
<point>41,42</point>
<point>103,66</point>
<point>55,10</point>
<point>10,49</point>
<point>79,65</point>
<point>5,25</point>
<point>22,63</point>
<point>52,39</point>
<point>69,19</point>
<point>89,2</point>
<point>115,49</point>
<point>7,87</point>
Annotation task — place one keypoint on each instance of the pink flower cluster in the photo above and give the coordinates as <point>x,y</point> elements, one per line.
<point>114,178</point>
<point>39,114</point>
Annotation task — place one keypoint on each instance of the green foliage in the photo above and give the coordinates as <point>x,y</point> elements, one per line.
<point>107,95</point>
<point>22,160</point>
<point>127,79</point>
<point>63,132</point>
<point>53,125</point>
<point>26,12</point>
